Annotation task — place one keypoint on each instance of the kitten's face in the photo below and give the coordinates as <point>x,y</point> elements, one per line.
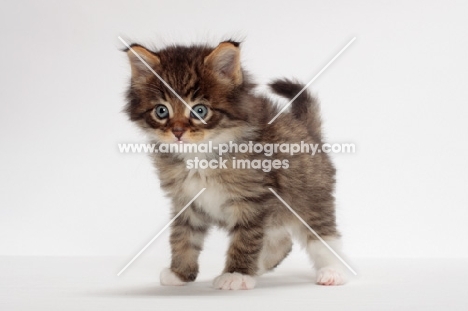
<point>209,81</point>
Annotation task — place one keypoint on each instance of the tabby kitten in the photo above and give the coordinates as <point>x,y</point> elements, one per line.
<point>212,82</point>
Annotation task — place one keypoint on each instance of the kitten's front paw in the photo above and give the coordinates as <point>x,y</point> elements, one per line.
<point>234,281</point>
<point>169,278</point>
<point>330,276</point>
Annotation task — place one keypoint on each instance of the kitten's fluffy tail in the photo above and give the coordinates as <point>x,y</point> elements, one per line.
<point>304,107</point>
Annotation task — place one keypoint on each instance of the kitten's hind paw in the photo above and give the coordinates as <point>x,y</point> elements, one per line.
<point>169,278</point>
<point>234,281</point>
<point>330,276</point>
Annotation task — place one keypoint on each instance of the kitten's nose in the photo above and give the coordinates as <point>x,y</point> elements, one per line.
<point>178,132</point>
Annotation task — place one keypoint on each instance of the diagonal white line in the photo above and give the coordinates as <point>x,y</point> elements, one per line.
<point>161,79</point>
<point>159,233</point>
<point>313,79</point>
<point>313,231</point>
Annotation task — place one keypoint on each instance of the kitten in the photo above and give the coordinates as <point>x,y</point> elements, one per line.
<point>212,81</point>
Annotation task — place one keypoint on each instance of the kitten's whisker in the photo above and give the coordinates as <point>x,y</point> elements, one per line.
<point>315,233</point>
<point>161,79</point>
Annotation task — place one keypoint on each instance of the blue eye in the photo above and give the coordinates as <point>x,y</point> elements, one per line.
<point>199,109</point>
<point>161,111</point>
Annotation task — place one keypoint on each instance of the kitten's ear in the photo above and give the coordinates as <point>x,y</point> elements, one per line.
<point>225,62</point>
<point>139,69</point>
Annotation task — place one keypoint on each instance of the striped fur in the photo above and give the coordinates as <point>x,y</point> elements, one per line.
<point>260,227</point>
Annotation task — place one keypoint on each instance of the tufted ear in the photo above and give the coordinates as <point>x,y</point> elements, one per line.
<point>139,69</point>
<point>224,61</point>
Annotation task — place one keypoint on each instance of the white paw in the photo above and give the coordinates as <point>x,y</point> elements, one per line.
<point>169,278</point>
<point>330,276</point>
<point>234,281</point>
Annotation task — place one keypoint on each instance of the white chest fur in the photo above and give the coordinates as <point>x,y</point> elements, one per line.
<point>212,199</point>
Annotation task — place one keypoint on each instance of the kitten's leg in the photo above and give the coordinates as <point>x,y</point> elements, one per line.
<point>329,269</point>
<point>186,243</point>
<point>277,244</point>
<point>242,257</point>
<point>321,219</point>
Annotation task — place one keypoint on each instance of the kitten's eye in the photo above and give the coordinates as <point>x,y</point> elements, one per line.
<point>161,111</point>
<point>201,110</point>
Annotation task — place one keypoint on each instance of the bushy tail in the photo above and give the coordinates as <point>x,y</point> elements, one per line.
<point>304,107</point>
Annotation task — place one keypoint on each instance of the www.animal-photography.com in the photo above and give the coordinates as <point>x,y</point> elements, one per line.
<point>235,155</point>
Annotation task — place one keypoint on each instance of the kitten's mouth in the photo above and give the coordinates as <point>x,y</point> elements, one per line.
<point>179,140</point>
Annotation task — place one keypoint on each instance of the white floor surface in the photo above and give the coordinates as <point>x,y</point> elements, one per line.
<point>91,283</point>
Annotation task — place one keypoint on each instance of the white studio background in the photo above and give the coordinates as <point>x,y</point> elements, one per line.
<point>399,93</point>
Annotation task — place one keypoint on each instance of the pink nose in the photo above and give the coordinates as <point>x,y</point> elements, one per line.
<point>178,132</point>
